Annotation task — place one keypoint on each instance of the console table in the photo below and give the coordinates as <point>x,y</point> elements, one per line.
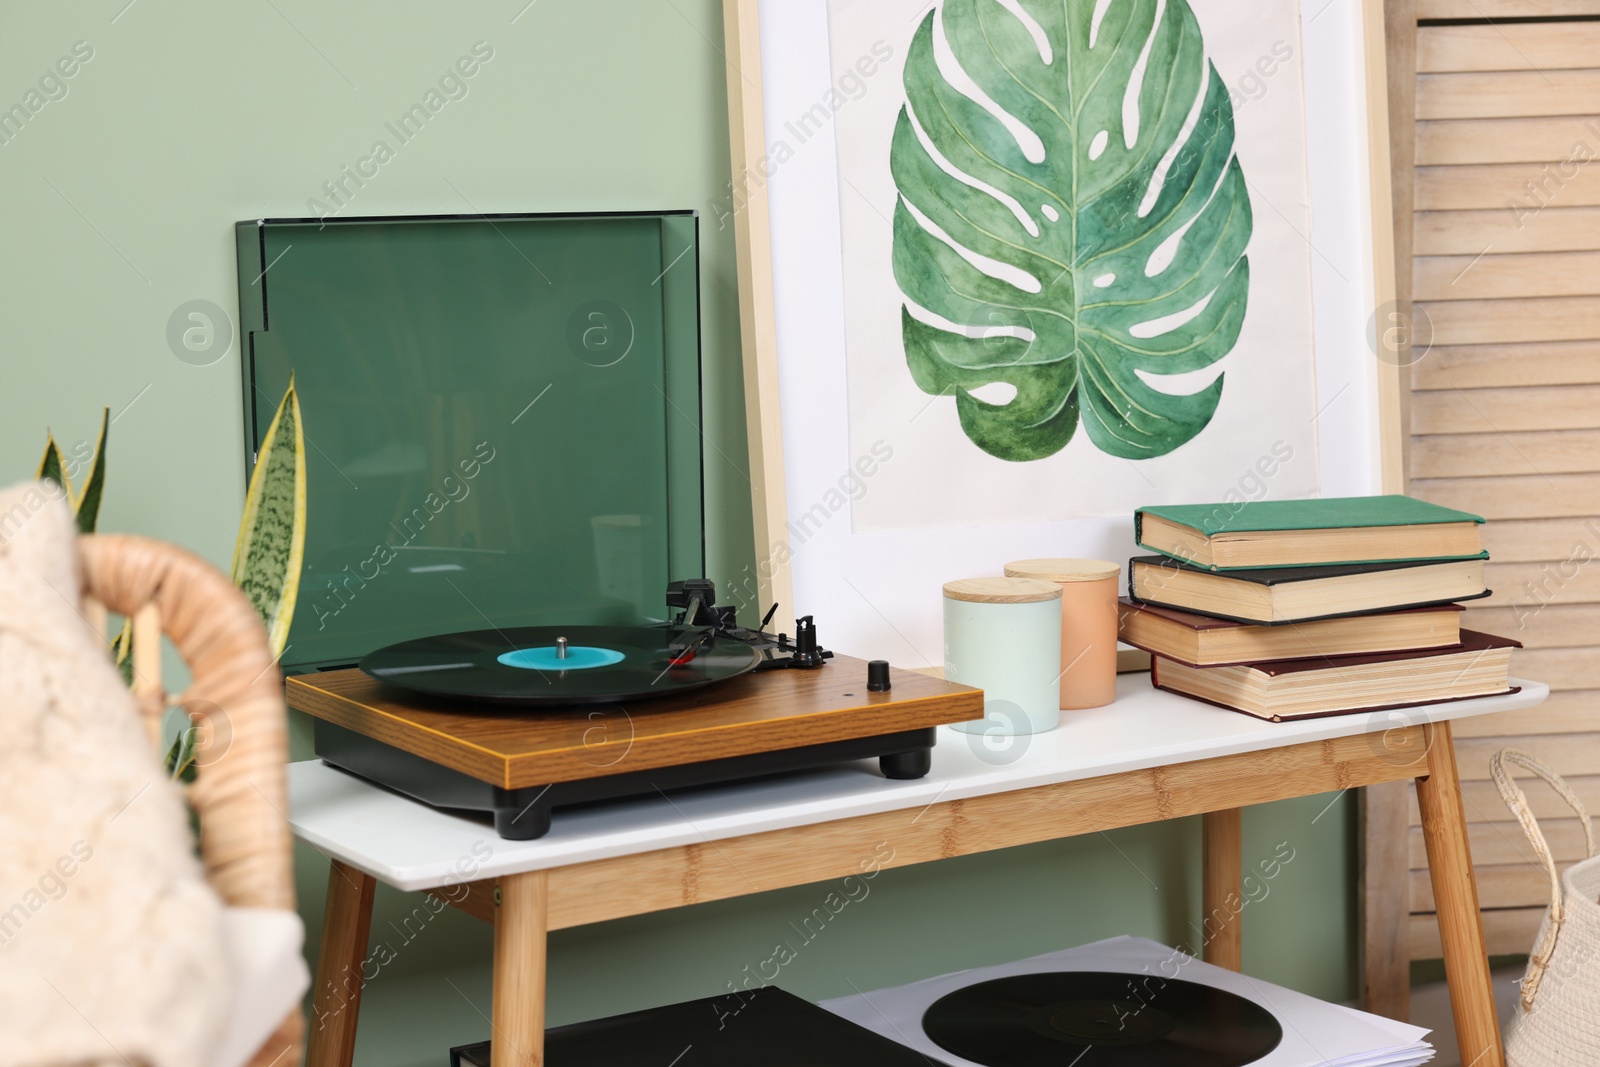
<point>1149,756</point>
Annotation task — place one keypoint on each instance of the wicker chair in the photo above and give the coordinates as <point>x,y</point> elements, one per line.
<point>236,702</point>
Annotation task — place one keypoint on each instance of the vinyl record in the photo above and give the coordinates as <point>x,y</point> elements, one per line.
<point>1100,1019</point>
<point>526,666</point>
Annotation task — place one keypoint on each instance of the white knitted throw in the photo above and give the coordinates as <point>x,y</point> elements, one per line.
<point>110,944</point>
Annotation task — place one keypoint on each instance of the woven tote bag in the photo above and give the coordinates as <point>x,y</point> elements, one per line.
<point>1557,1020</point>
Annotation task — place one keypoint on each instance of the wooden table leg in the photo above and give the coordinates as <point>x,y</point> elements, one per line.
<point>1384,897</point>
<point>520,927</point>
<point>1466,962</point>
<point>1222,887</point>
<point>336,1001</point>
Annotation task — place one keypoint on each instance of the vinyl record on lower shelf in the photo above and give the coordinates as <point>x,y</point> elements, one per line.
<point>1100,1019</point>
<point>556,665</point>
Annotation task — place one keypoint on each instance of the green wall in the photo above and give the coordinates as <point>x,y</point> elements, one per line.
<point>121,189</point>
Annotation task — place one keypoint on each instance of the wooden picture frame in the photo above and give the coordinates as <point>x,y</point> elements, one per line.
<point>1383,911</point>
<point>758,330</point>
<point>1374,421</point>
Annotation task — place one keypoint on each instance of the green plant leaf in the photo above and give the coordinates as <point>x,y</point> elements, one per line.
<point>122,650</point>
<point>1110,258</point>
<point>272,533</point>
<point>51,468</point>
<point>88,507</point>
<point>179,760</point>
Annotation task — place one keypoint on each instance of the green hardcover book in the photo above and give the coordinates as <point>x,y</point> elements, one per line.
<point>1303,533</point>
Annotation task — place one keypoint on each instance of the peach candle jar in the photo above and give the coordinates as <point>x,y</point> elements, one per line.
<point>1088,625</point>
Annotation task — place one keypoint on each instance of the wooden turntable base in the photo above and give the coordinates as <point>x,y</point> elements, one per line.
<point>521,763</point>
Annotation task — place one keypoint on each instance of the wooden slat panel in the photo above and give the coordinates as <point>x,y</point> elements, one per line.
<point>1542,539</point>
<point>1485,366</point>
<point>1514,498</point>
<point>1564,754</point>
<point>1562,669</point>
<point>1505,230</point>
<point>1464,455</point>
<point>1576,711</point>
<point>1483,803</point>
<point>1519,885</point>
<point>1505,186</point>
<point>1517,46</point>
<point>1505,412</point>
<point>1479,10</point>
<point>1572,407</point>
<point>1502,843</point>
<point>1521,190</point>
<point>1539,626</point>
<point>1509,94</point>
<point>1486,276</point>
<point>1457,142</point>
<point>1506,932</point>
<point>1533,584</point>
<point>1483,322</point>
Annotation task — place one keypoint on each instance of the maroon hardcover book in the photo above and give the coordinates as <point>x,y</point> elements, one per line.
<point>1471,642</point>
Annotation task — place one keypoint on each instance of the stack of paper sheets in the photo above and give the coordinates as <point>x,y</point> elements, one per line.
<point>1315,1033</point>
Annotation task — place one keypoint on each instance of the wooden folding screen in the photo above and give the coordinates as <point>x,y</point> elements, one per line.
<point>1495,120</point>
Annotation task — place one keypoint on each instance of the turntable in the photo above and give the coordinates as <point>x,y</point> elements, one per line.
<point>520,721</point>
<point>504,469</point>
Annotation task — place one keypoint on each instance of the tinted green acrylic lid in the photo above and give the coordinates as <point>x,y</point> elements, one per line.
<point>502,417</point>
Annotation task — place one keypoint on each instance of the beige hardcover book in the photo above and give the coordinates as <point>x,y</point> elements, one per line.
<point>1277,595</point>
<point>1204,641</point>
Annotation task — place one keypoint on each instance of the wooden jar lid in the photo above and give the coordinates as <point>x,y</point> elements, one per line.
<point>1001,590</point>
<point>1063,570</point>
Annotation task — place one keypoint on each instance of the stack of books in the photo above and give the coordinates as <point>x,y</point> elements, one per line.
<point>1296,608</point>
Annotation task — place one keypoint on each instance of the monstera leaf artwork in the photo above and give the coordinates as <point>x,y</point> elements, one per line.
<point>1079,236</point>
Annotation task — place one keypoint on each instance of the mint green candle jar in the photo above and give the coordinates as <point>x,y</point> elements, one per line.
<point>1003,635</point>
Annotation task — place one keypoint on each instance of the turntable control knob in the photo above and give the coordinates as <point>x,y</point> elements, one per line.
<point>878,675</point>
<point>561,648</point>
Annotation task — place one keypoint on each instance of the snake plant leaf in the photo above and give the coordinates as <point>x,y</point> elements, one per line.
<point>1090,242</point>
<point>88,506</point>
<point>272,533</point>
<point>51,467</point>
<point>180,757</point>
<point>122,652</point>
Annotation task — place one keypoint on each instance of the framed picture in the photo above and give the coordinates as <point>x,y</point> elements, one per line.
<point>1010,270</point>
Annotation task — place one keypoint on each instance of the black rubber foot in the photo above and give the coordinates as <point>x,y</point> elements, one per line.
<point>907,765</point>
<point>522,824</point>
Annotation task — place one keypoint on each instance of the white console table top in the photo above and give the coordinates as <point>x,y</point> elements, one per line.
<point>412,846</point>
